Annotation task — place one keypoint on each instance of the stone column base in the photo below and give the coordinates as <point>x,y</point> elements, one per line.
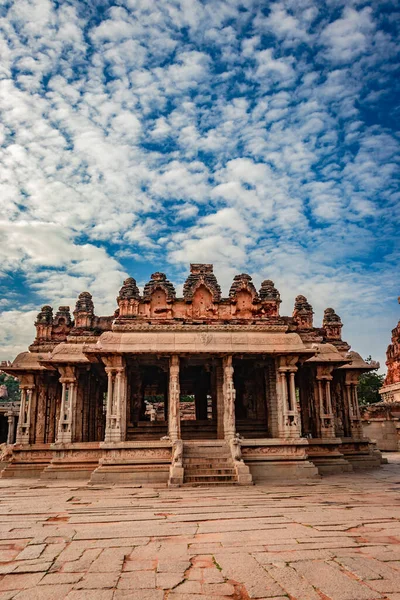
<point>175,476</point>
<point>243,474</point>
<point>361,454</point>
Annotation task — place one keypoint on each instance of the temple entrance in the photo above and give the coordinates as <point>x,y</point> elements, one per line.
<point>251,409</point>
<point>147,404</point>
<point>198,399</point>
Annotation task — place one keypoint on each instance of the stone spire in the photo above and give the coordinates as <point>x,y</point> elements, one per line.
<point>332,324</point>
<point>44,323</point>
<point>62,324</point>
<point>84,311</point>
<point>270,298</point>
<point>159,281</point>
<point>201,274</point>
<point>393,358</point>
<point>303,313</point>
<point>129,290</point>
<point>62,317</point>
<point>128,298</point>
<point>243,282</point>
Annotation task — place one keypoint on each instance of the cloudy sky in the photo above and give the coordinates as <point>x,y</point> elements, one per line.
<point>142,135</point>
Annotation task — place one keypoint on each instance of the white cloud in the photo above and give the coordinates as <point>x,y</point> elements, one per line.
<point>186,130</point>
<point>348,37</point>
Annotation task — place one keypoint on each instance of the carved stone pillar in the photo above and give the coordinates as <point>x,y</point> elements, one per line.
<point>326,416</point>
<point>116,401</point>
<point>67,418</point>
<point>289,423</point>
<point>174,418</point>
<point>25,411</point>
<point>351,384</point>
<point>136,394</point>
<point>41,412</point>
<point>219,390</point>
<point>11,428</point>
<point>229,395</point>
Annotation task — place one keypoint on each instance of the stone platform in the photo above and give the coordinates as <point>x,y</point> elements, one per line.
<point>335,538</point>
<point>204,461</point>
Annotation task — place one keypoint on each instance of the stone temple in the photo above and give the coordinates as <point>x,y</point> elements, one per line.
<point>198,389</point>
<point>381,421</point>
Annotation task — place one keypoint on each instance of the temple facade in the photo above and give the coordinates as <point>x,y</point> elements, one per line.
<point>193,389</point>
<point>390,391</point>
<point>381,421</point>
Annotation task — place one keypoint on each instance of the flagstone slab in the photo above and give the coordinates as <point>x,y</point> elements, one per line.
<point>332,539</point>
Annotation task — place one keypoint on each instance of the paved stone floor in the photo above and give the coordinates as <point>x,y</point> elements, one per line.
<point>337,538</point>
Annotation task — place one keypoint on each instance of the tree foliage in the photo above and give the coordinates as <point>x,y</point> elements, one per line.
<point>369,386</point>
<point>12,386</point>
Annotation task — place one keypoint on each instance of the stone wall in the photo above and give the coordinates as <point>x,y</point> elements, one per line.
<point>381,423</point>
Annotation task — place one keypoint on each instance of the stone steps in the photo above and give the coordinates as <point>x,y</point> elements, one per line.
<point>214,472</point>
<point>147,430</point>
<point>251,429</point>
<point>208,464</point>
<point>209,479</point>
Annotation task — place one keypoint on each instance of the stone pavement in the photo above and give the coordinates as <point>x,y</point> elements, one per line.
<point>337,538</point>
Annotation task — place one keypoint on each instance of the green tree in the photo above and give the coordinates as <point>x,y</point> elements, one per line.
<point>369,386</point>
<point>12,386</point>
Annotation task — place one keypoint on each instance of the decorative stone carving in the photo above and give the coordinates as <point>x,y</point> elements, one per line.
<point>27,389</point>
<point>66,422</point>
<point>176,469</point>
<point>391,387</point>
<point>270,299</point>
<point>303,313</point>
<point>128,299</point>
<point>174,421</point>
<point>201,274</point>
<point>158,296</point>
<point>279,383</point>
<point>84,311</point>
<point>44,324</point>
<point>62,324</point>
<point>324,401</point>
<point>116,399</point>
<point>332,324</point>
<point>243,297</point>
<point>243,282</point>
<point>288,414</point>
<point>229,396</point>
<point>129,290</point>
<point>177,454</point>
<point>159,281</point>
<point>236,450</point>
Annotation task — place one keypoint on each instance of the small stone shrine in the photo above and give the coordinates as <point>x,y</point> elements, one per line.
<point>198,389</point>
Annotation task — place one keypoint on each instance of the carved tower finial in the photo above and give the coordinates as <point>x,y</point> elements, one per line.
<point>303,313</point>
<point>44,323</point>
<point>393,357</point>
<point>332,324</point>
<point>201,274</point>
<point>270,298</point>
<point>159,281</point>
<point>84,311</point>
<point>62,324</point>
<point>243,282</point>
<point>128,298</point>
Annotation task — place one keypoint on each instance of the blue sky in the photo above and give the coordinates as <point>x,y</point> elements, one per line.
<point>143,135</point>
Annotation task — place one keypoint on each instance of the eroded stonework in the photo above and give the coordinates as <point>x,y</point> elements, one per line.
<point>104,397</point>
